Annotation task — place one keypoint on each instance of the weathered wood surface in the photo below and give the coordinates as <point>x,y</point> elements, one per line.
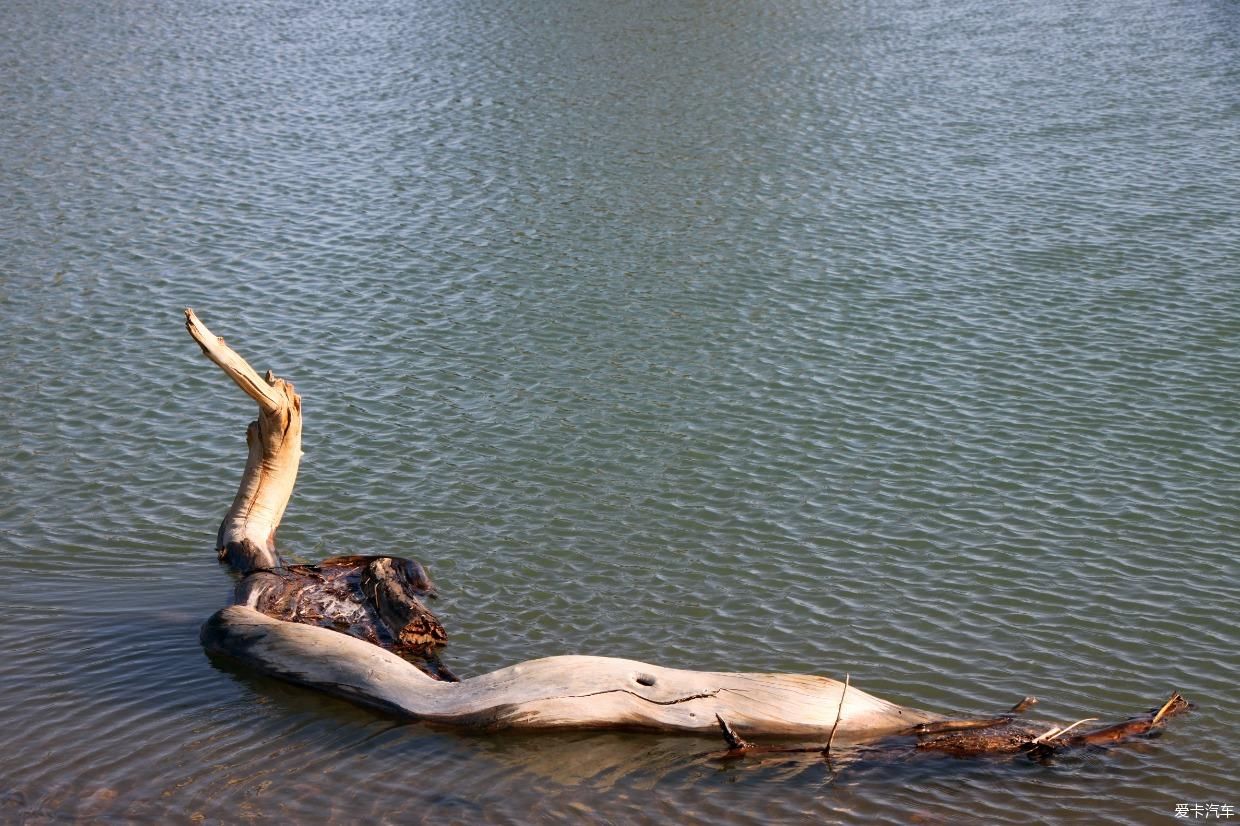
<point>568,692</point>
<point>247,537</point>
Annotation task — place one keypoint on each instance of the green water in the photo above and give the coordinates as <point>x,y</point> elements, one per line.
<point>899,340</point>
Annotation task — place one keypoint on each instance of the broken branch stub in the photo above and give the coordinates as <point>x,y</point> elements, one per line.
<point>246,540</point>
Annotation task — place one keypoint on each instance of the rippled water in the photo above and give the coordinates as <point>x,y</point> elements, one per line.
<point>899,340</point>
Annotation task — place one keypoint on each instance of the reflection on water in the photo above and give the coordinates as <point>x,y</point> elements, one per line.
<point>894,341</point>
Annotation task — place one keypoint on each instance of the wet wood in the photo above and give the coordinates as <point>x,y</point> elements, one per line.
<point>373,598</point>
<point>944,726</point>
<point>387,586</point>
<point>1003,735</point>
<point>734,740</point>
<point>1024,705</point>
<point>1136,727</point>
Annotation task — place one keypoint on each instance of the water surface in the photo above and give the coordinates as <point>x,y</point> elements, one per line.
<point>896,340</point>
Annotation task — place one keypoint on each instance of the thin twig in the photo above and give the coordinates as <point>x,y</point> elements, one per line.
<point>838,713</point>
<point>1056,733</point>
<point>1050,732</point>
<point>1023,705</point>
<point>1162,712</point>
<point>1074,725</point>
<point>734,740</point>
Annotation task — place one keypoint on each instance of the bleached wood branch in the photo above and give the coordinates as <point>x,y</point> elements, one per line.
<point>246,538</point>
<point>568,692</point>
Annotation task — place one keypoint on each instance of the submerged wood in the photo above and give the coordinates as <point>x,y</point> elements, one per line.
<point>1002,735</point>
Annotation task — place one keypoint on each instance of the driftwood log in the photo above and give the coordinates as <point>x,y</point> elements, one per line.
<point>357,627</point>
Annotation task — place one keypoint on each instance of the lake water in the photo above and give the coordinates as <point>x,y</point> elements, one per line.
<point>898,340</point>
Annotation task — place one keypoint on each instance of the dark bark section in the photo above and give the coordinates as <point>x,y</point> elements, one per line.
<point>241,555</point>
<point>1004,735</point>
<point>391,585</point>
<point>373,598</point>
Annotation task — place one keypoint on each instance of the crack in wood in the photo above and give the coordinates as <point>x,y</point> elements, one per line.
<point>714,692</point>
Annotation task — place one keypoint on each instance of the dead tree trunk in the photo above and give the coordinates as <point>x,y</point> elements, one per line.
<point>356,627</point>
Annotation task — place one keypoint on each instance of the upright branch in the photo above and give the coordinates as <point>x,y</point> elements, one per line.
<point>838,712</point>
<point>246,538</point>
